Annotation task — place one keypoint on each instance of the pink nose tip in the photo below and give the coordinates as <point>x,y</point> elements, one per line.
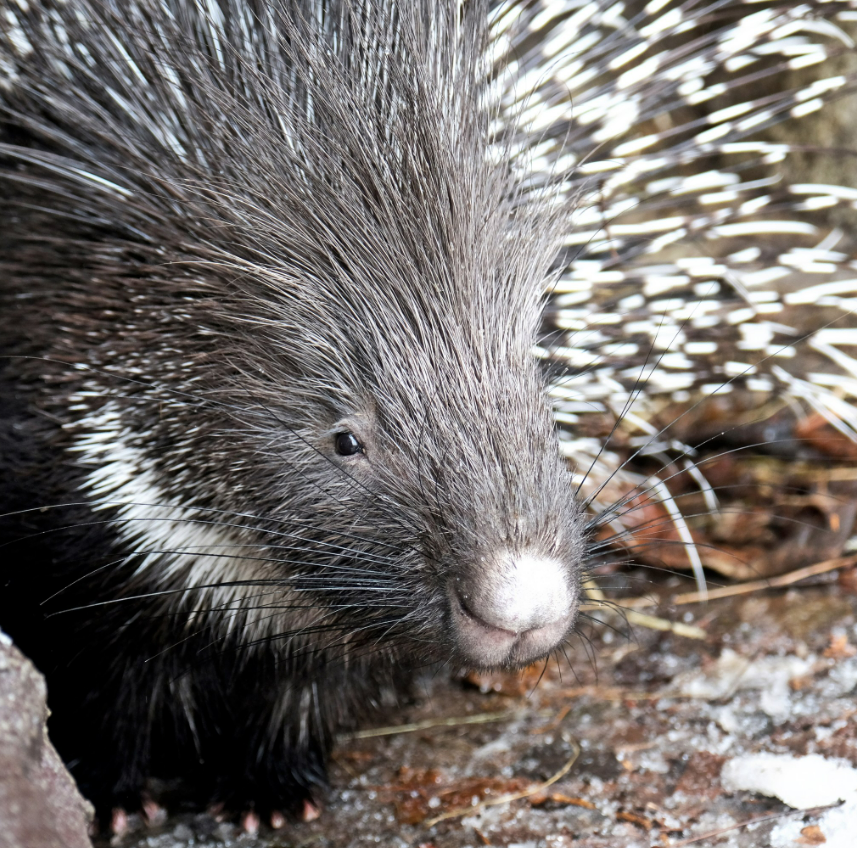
<point>513,611</point>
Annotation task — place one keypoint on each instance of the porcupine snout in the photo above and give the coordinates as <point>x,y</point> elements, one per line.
<point>495,578</point>
<point>515,534</point>
<point>515,609</point>
<point>501,533</point>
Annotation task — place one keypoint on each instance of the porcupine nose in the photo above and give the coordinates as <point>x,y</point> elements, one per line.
<point>514,610</point>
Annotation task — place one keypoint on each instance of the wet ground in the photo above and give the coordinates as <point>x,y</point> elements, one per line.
<point>637,741</point>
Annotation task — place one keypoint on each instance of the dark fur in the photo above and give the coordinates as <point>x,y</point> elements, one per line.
<point>209,269</point>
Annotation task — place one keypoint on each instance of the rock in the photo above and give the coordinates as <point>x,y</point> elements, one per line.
<point>40,806</point>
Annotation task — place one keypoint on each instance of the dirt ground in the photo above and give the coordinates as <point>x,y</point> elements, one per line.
<point>626,747</point>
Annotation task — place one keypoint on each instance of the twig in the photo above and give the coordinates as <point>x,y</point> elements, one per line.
<point>482,718</point>
<point>757,820</point>
<point>769,583</point>
<point>612,693</point>
<point>595,596</point>
<point>515,796</point>
<point>656,623</point>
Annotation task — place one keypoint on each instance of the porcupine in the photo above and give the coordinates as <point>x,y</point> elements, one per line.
<point>272,279</point>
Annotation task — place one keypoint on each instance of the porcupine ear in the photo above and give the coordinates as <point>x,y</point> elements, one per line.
<point>692,266</point>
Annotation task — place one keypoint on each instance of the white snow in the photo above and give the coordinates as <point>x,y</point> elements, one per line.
<point>733,672</point>
<point>801,782</point>
<point>838,826</point>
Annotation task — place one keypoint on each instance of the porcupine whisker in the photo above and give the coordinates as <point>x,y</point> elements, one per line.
<point>655,541</point>
<point>347,644</point>
<point>664,429</point>
<point>616,509</point>
<point>555,657</point>
<point>351,648</point>
<point>643,490</point>
<point>241,607</point>
<point>677,518</point>
<point>276,608</point>
<point>282,581</point>
<point>346,650</point>
<point>588,648</point>
<point>377,558</point>
<point>541,675</point>
<point>652,543</point>
<point>228,611</point>
<point>190,589</point>
<point>656,545</point>
<point>598,602</point>
<point>625,633</point>
<point>639,384</point>
<point>561,650</point>
<point>598,522</point>
<point>310,524</point>
<point>213,619</point>
<point>616,607</point>
<point>289,635</point>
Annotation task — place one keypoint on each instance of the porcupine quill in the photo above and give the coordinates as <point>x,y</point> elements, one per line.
<point>272,277</point>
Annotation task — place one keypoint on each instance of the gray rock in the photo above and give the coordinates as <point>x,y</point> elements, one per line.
<point>40,806</point>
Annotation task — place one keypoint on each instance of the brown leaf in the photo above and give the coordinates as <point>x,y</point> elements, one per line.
<point>811,835</point>
<point>412,810</point>
<point>847,580</point>
<point>513,684</point>
<point>701,776</point>
<point>839,649</point>
<point>818,432</point>
<point>410,778</point>
<point>424,798</point>
<point>461,794</point>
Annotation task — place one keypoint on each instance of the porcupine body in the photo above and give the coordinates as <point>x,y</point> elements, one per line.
<point>254,259</point>
<point>271,279</point>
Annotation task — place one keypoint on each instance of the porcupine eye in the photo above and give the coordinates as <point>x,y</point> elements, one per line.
<point>347,444</point>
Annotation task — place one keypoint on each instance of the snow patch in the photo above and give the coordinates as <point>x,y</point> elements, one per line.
<point>801,782</point>
<point>733,673</point>
<point>837,826</point>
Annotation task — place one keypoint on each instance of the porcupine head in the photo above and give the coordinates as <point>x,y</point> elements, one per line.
<point>306,394</point>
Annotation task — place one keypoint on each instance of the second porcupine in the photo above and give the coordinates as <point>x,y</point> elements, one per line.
<point>272,276</point>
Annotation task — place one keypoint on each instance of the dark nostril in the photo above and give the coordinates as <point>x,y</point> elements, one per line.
<point>462,603</point>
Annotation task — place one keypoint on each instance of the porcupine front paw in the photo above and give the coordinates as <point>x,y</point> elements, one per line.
<point>251,821</point>
<point>270,788</point>
<point>146,808</point>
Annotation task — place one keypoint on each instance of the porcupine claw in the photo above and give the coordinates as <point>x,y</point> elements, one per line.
<point>119,821</point>
<point>310,812</point>
<point>250,823</point>
<point>153,812</point>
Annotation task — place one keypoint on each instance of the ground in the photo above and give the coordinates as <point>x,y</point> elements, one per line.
<point>634,738</point>
<point>639,737</point>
